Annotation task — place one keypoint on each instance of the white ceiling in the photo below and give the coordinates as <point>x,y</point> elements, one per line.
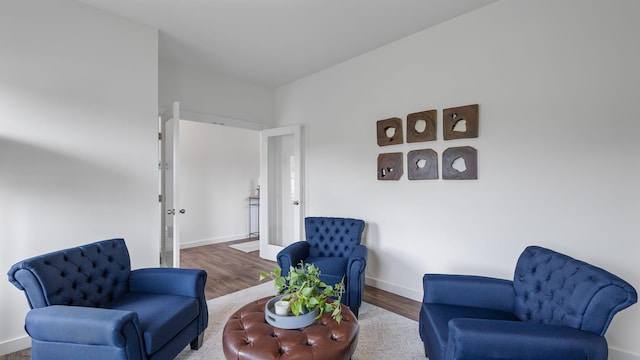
<point>273,42</point>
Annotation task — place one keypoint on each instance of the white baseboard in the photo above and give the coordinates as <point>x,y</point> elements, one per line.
<point>393,288</point>
<point>190,244</point>
<point>615,354</point>
<point>17,344</point>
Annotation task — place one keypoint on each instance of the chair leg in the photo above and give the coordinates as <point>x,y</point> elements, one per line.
<point>197,342</point>
<point>355,310</point>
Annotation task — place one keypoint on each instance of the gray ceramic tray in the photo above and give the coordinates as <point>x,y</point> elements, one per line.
<point>289,321</point>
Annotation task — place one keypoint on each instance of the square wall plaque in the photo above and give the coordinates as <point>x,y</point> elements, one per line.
<point>422,164</point>
<point>460,163</point>
<point>389,131</point>
<point>390,166</point>
<point>421,126</point>
<point>460,122</point>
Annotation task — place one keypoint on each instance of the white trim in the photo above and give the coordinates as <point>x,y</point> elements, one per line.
<point>195,243</point>
<point>175,159</point>
<point>615,354</point>
<point>217,119</point>
<point>394,289</point>
<point>268,250</point>
<point>17,344</point>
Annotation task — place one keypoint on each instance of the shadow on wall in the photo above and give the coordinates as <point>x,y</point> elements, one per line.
<point>43,188</point>
<point>37,171</point>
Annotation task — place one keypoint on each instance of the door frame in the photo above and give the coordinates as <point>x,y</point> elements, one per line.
<point>177,113</point>
<point>269,250</point>
<point>169,201</point>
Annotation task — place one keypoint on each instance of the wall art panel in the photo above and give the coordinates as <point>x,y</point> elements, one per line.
<point>390,166</point>
<point>460,163</point>
<point>389,131</point>
<point>422,164</point>
<point>421,126</point>
<point>460,122</point>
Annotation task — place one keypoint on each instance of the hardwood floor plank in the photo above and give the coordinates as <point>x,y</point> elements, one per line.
<point>228,269</point>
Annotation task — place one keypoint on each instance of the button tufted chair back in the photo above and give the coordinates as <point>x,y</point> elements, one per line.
<point>552,288</point>
<point>332,237</point>
<point>92,275</point>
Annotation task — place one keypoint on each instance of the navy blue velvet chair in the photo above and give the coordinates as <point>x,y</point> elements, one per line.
<point>333,245</point>
<point>556,307</point>
<point>87,303</point>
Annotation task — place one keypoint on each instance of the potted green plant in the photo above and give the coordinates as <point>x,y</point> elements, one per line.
<point>305,292</point>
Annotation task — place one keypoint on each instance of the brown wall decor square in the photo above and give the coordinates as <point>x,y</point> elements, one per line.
<point>421,126</point>
<point>460,122</point>
<point>389,131</point>
<point>422,164</point>
<point>390,166</point>
<point>464,169</point>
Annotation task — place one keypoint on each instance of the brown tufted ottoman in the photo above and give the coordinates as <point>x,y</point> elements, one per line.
<point>247,335</point>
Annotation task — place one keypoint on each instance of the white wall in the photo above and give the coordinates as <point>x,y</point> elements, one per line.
<point>213,94</point>
<point>557,84</point>
<point>219,170</point>
<point>78,144</point>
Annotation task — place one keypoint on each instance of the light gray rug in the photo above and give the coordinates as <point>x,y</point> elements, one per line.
<point>247,247</point>
<point>383,334</point>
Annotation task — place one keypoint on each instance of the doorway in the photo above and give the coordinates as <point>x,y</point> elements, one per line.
<point>208,177</point>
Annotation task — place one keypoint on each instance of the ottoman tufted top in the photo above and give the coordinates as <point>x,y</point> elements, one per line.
<point>247,335</point>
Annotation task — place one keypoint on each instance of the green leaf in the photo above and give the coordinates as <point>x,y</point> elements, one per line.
<point>296,308</point>
<point>279,283</point>
<point>307,291</point>
<point>313,302</point>
<point>327,307</point>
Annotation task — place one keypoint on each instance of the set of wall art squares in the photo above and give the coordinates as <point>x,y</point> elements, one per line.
<point>458,163</point>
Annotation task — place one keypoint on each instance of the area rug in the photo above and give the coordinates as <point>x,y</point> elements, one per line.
<point>383,334</point>
<point>247,247</point>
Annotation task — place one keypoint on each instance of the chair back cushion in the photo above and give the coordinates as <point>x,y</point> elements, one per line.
<point>552,288</point>
<point>90,275</point>
<point>332,237</point>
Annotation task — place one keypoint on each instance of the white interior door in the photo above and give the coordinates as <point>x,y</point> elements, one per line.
<point>169,161</point>
<point>280,189</point>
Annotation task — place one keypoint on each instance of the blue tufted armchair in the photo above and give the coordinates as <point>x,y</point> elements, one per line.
<point>87,303</point>
<point>333,245</point>
<point>556,307</point>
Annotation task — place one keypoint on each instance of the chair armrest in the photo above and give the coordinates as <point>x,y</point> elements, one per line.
<point>86,326</point>
<point>355,276</point>
<point>357,262</point>
<point>173,281</point>
<point>482,339</point>
<point>467,290</point>
<point>292,255</point>
<point>185,282</point>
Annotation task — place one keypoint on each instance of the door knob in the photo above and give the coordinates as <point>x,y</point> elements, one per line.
<point>296,202</point>
<point>182,211</point>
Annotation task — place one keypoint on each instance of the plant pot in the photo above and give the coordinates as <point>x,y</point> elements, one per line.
<point>288,321</point>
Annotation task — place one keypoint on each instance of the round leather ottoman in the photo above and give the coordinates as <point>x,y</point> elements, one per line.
<point>247,336</point>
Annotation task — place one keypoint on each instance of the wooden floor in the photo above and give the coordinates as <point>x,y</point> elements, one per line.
<point>230,270</point>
